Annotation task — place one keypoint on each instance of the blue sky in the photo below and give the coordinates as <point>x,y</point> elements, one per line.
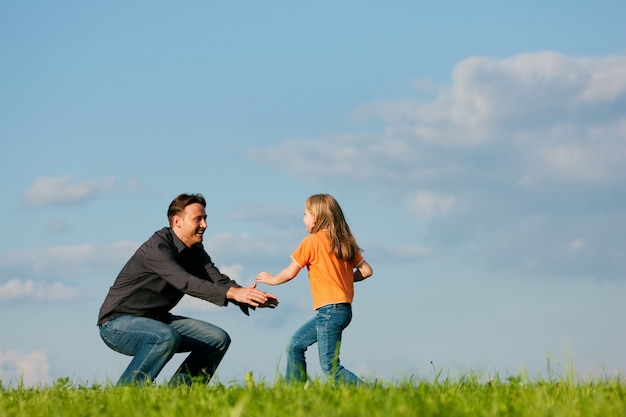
<point>478,151</point>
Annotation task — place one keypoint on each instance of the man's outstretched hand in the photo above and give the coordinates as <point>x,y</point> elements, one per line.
<point>271,303</point>
<point>251,296</point>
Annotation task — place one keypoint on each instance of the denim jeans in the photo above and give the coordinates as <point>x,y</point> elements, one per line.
<point>325,329</point>
<point>153,343</point>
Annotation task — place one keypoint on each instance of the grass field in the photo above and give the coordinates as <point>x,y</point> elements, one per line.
<point>451,397</point>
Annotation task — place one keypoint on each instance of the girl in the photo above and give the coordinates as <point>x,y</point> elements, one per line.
<point>334,262</point>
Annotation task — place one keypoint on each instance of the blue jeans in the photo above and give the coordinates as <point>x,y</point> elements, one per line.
<point>325,329</point>
<point>153,343</point>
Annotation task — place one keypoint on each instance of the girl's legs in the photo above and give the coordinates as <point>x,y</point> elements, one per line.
<point>330,322</point>
<point>304,337</point>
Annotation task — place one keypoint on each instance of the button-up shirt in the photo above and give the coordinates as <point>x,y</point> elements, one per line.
<point>157,276</point>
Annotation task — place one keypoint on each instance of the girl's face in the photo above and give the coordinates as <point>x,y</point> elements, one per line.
<point>309,220</point>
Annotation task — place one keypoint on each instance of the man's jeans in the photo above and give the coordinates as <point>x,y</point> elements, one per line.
<point>153,343</point>
<point>325,329</point>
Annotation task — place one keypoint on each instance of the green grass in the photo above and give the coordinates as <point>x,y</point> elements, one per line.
<point>456,397</point>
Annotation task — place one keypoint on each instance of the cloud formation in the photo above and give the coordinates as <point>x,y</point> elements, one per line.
<point>189,304</point>
<point>28,368</point>
<point>67,260</point>
<point>524,156</point>
<point>48,191</point>
<point>429,204</point>
<point>554,117</point>
<point>16,289</point>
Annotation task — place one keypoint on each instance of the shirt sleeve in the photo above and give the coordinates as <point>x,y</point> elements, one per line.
<point>161,260</point>
<point>303,255</point>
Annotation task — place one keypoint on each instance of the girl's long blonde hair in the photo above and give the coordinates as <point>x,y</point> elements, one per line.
<point>329,217</point>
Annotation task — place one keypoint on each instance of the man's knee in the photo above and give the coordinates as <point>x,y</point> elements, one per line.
<point>217,339</point>
<point>225,341</point>
<point>167,341</point>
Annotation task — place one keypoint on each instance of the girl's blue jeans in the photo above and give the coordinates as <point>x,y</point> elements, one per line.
<point>325,329</point>
<point>152,343</point>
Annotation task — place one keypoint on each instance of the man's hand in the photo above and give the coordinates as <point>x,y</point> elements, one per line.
<point>251,296</point>
<point>271,303</point>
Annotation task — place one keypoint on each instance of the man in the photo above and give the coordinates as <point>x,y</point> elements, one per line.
<point>135,317</point>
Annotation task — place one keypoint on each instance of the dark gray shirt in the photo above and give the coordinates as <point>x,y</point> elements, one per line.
<point>157,276</point>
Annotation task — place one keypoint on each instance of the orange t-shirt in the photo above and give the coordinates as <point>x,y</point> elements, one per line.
<point>331,279</point>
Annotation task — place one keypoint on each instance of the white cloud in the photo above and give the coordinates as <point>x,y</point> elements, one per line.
<point>234,272</point>
<point>62,191</point>
<point>68,260</point>
<point>193,304</point>
<point>380,253</point>
<point>573,162</point>
<point>231,248</point>
<point>607,79</point>
<point>542,112</point>
<point>57,227</point>
<point>547,108</point>
<point>576,245</point>
<point>190,304</point>
<point>429,204</point>
<point>30,368</point>
<point>16,289</point>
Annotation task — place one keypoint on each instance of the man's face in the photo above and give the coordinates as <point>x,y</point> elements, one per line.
<point>190,225</point>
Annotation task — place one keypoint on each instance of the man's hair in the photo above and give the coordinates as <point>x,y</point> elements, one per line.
<point>181,201</point>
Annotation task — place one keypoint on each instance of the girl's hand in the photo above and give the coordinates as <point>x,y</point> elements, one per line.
<point>266,278</point>
<point>285,275</point>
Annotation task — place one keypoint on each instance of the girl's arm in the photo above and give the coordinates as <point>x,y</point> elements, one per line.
<point>362,271</point>
<point>285,275</point>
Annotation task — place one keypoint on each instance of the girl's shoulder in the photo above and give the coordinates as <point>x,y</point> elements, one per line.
<point>318,238</point>
<point>321,235</point>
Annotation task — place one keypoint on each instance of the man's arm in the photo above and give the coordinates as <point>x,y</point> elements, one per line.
<point>183,271</point>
